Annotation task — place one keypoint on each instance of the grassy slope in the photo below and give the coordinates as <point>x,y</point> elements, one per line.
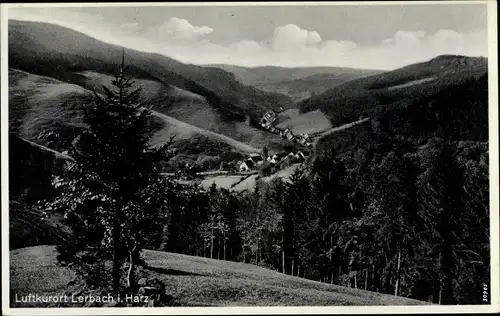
<point>37,47</point>
<point>43,109</point>
<point>310,123</point>
<point>346,102</point>
<point>222,138</point>
<point>196,281</point>
<point>40,104</point>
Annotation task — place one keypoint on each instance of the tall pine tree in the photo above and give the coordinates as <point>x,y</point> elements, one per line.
<point>111,193</point>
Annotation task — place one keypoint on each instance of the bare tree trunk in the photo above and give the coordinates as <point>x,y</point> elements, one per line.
<point>355,281</point>
<point>331,258</point>
<point>224,248</point>
<point>398,270</point>
<point>293,266</point>
<point>218,250</point>
<point>283,261</point>
<point>258,249</point>
<point>131,270</point>
<point>366,279</point>
<point>116,245</point>
<point>298,270</point>
<point>212,245</point>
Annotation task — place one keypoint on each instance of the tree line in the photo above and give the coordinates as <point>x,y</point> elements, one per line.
<point>412,224</point>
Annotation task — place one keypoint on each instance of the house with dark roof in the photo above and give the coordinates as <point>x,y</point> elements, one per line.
<point>257,160</point>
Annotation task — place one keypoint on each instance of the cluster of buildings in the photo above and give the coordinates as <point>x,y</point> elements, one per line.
<point>255,160</point>
<point>267,122</point>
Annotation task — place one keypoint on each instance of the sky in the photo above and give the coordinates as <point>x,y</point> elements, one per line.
<point>359,36</point>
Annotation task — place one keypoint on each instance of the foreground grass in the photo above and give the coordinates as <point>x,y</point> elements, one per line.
<point>196,281</point>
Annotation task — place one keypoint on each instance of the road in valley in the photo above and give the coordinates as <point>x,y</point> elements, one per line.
<point>339,128</point>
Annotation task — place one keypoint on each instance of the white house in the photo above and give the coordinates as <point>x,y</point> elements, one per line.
<point>246,165</point>
<point>267,120</point>
<point>275,158</point>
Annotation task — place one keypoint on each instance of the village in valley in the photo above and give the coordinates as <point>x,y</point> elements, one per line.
<point>256,160</point>
<point>266,164</point>
<point>267,122</point>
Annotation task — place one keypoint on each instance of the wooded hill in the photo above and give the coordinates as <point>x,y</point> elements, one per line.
<point>346,102</point>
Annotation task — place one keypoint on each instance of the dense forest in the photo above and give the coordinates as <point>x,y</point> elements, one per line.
<point>389,217</point>
<point>398,206</point>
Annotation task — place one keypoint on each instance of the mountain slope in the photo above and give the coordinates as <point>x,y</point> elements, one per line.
<point>297,83</point>
<point>346,102</point>
<point>48,111</point>
<point>37,47</point>
<point>272,74</point>
<point>45,110</point>
<point>197,281</point>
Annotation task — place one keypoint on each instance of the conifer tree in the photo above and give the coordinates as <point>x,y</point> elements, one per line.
<point>441,189</point>
<point>111,193</point>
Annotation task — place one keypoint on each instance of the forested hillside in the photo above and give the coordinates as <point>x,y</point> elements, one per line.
<point>400,87</point>
<point>399,205</point>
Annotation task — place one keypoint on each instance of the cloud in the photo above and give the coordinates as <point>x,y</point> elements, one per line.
<point>287,45</point>
<point>290,35</point>
<point>292,46</point>
<point>408,37</point>
<point>406,47</point>
<point>179,29</point>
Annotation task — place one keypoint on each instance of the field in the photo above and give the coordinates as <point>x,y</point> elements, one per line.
<point>187,128</point>
<point>310,123</point>
<point>246,182</point>
<point>225,182</point>
<point>197,281</point>
<point>284,174</point>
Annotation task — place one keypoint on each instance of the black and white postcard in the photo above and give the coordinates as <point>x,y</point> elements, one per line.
<point>220,158</point>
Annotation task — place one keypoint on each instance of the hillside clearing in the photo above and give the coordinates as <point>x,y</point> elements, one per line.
<point>246,182</point>
<point>197,281</point>
<point>411,83</point>
<point>340,128</point>
<point>309,123</point>
<point>187,127</point>
<point>224,182</point>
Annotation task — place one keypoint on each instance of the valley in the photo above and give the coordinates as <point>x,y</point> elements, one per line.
<point>278,186</point>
